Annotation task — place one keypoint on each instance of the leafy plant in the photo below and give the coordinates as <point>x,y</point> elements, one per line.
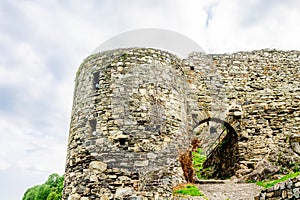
<point>50,190</point>
<point>268,184</point>
<point>296,168</point>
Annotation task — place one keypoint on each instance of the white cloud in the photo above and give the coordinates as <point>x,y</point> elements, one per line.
<point>25,148</point>
<point>252,25</point>
<point>4,164</point>
<point>28,72</point>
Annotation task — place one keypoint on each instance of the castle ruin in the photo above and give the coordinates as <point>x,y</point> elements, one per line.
<point>135,109</point>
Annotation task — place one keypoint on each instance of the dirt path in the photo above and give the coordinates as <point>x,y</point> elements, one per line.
<point>230,190</point>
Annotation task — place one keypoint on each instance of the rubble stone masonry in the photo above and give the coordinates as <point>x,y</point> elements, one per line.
<point>135,109</point>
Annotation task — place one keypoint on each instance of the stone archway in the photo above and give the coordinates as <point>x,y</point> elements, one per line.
<point>222,148</point>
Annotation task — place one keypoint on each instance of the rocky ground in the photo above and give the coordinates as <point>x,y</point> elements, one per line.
<point>228,190</point>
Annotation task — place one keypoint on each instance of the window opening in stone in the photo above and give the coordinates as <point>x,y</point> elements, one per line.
<point>96,76</point>
<point>93,124</point>
<point>213,130</point>
<point>122,141</point>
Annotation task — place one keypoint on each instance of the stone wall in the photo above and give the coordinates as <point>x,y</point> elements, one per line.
<point>129,120</point>
<point>134,109</point>
<point>264,86</point>
<point>285,190</point>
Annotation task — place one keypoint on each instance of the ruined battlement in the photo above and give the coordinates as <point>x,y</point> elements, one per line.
<point>135,109</point>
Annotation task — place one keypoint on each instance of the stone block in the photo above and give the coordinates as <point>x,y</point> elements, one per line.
<point>296,192</point>
<point>121,192</point>
<point>98,166</point>
<point>284,194</point>
<point>105,197</point>
<point>141,163</point>
<point>93,178</point>
<point>74,197</point>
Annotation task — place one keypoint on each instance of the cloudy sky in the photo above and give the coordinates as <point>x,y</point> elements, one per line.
<point>42,43</point>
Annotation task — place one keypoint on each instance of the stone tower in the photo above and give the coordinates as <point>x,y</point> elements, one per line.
<point>129,121</point>
<point>135,109</point>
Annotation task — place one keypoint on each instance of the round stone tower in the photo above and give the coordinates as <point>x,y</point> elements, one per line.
<point>129,120</point>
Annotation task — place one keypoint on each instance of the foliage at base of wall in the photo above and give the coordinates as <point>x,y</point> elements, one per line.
<point>268,184</point>
<point>50,190</point>
<point>185,159</point>
<point>199,158</point>
<point>187,189</point>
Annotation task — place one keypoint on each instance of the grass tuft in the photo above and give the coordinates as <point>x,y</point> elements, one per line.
<point>268,184</point>
<point>198,159</point>
<point>187,189</point>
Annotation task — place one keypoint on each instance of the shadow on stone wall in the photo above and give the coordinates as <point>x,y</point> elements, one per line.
<point>222,160</point>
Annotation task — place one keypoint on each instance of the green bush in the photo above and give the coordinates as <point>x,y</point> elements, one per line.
<point>50,190</point>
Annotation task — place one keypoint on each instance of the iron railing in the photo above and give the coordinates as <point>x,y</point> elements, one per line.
<point>213,144</point>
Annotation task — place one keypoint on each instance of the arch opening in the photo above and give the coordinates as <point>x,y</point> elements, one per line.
<point>217,147</point>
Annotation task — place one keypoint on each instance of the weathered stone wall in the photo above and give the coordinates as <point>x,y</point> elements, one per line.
<point>129,120</point>
<point>134,109</point>
<point>264,85</point>
<point>285,190</point>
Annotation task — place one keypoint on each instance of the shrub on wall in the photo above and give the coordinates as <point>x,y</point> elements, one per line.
<point>185,159</point>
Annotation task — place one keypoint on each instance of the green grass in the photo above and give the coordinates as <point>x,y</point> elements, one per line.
<point>188,189</point>
<point>198,159</point>
<point>268,184</point>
